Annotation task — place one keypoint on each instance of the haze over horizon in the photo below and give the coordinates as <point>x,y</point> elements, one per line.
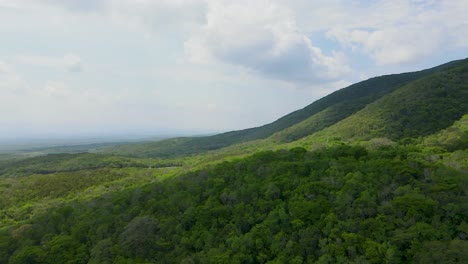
<point>141,68</point>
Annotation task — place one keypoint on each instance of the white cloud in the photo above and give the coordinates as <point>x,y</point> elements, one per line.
<point>69,62</point>
<point>262,36</point>
<point>406,31</point>
<point>391,45</point>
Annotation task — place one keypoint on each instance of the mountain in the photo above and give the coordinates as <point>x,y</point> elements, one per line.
<point>329,110</point>
<point>373,173</point>
<point>419,108</point>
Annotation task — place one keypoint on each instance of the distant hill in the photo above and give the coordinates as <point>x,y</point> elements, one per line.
<point>301,123</point>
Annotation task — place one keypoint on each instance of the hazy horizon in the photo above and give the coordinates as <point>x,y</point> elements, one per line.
<point>81,139</point>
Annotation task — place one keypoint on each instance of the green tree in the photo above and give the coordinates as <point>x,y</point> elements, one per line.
<point>139,237</point>
<point>29,255</point>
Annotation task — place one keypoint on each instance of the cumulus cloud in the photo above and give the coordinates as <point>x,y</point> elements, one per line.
<point>69,62</point>
<point>272,37</point>
<point>391,45</point>
<point>261,36</point>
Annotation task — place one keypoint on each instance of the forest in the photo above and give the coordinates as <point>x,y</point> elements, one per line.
<point>343,204</point>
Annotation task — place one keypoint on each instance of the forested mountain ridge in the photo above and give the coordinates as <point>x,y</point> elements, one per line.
<point>333,108</point>
<point>369,180</point>
<point>419,108</point>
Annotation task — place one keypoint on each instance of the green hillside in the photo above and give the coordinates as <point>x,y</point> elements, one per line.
<point>337,106</point>
<point>419,108</point>
<point>452,138</point>
<point>320,120</point>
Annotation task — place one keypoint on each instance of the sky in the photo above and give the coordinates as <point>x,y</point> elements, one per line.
<point>73,68</point>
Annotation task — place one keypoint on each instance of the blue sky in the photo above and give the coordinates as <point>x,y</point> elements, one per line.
<point>149,67</point>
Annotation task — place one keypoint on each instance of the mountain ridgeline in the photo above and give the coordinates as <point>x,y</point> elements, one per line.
<point>444,84</point>
<point>419,108</point>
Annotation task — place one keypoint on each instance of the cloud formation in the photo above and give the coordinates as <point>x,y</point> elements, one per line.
<point>407,30</point>
<point>391,45</point>
<point>262,36</point>
<point>148,64</point>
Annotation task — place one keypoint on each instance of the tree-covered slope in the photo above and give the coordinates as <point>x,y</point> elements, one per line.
<point>320,120</point>
<point>337,106</point>
<point>452,138</point>
<point>419,108</point>
<point>395,204</point>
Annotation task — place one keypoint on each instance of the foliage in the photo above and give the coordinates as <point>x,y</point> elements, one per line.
<point>453,138</point>
<point>419,108</point>
<point>342,204</point>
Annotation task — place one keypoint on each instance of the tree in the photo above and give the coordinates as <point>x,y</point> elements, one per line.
<point>29,255</point>
<point>139,236</point>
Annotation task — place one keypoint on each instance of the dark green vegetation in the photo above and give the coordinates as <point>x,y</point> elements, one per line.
<point>374,173</point>
<point>341,204</point>
<point>417,109</point>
